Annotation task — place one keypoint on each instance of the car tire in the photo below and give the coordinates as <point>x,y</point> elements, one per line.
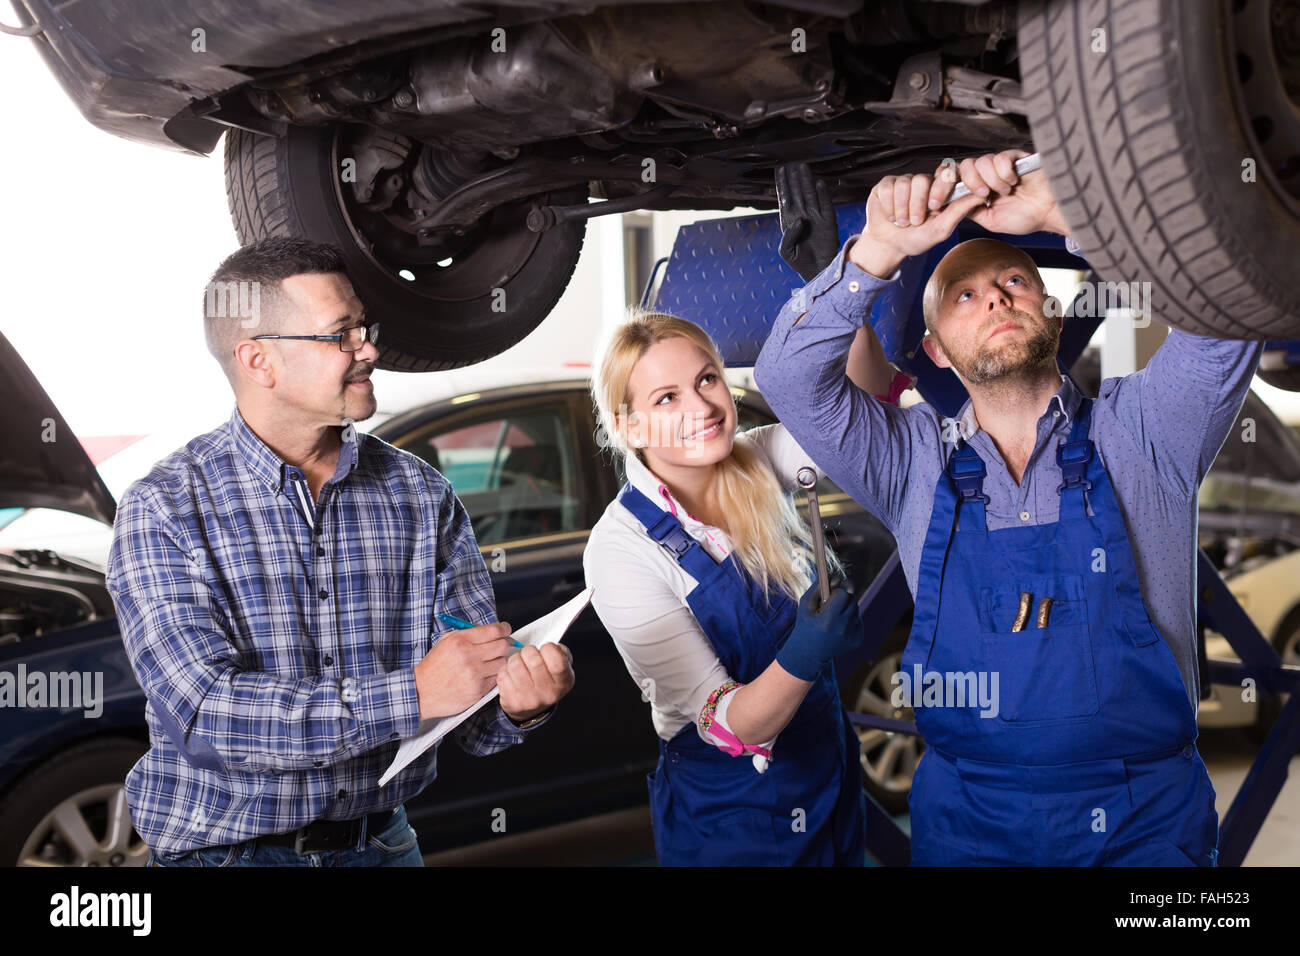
<point>486,298</point>
<point>1149,114</point>
<point>82,786</point>
<point>886,759</point>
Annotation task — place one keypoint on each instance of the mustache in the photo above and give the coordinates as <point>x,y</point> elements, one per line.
<point>358,377</point>
<point>1007,315</point>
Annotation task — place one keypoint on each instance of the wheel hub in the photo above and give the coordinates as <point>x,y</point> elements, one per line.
<point>1266,48</point>
<point>889,759</point>
<point>451,265</point>
<point>89,828</point>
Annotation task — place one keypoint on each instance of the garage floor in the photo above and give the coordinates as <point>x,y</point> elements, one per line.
<point>1228,755</point>
<point>624,838</point>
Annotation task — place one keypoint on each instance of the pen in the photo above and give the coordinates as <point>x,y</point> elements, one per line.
<point>460,625</point>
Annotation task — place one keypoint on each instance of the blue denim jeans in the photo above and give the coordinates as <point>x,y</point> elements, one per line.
<point>394,845</point>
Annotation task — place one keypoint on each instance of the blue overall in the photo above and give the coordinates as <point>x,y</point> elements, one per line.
<point>709,808</point>
<point>1091,756</point>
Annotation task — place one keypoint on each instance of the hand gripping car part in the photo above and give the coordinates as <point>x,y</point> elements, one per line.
<point>1025,164</point>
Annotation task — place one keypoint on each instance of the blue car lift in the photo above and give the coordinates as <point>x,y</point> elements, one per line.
<point>726,276</point>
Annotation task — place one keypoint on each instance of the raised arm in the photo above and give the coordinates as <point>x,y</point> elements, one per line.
<point>864,446</point>
<point>1181,406</point>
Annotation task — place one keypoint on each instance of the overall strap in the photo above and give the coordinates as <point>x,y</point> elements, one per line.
<point>1074,456</point>
<point>664,527</point>
<point>934,559</point>
<point>966,470</point>
<point>1095,488</point>
<point>726,601</point>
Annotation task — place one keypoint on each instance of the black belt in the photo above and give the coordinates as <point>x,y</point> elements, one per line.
<point>325,835</point>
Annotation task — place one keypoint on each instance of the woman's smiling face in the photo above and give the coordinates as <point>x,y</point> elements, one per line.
<point>680,408</point>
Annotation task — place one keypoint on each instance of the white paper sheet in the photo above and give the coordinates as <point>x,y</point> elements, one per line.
<point>545,630</point>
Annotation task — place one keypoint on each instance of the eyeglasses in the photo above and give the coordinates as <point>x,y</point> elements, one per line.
<point>349,340</point>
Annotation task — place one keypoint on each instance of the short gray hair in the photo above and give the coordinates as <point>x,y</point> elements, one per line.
<point>244,297</point>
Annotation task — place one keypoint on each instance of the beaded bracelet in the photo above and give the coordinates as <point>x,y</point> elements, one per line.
<point>730,742</point>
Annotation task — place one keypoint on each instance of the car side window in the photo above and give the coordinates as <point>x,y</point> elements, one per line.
<point>514,470</point>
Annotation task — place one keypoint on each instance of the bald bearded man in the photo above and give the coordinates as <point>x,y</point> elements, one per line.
<point>1049,540</point>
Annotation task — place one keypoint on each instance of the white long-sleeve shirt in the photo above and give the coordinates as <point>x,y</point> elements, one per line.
<point>641,591</point>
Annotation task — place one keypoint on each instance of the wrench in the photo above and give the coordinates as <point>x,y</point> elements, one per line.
<point>807,479</point>
<point>1025,164</point>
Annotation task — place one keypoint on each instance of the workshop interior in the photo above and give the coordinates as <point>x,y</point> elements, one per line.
<point>219,633</point>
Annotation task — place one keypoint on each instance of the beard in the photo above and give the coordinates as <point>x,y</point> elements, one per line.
<point>992,361</point>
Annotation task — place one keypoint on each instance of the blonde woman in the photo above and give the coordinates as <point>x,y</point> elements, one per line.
<point>703,576</point>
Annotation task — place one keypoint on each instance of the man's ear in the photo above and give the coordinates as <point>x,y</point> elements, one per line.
<point>252,364</point>
<point>935,351</point>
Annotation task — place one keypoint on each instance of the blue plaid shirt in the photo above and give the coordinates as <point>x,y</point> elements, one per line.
<point>276,637</point>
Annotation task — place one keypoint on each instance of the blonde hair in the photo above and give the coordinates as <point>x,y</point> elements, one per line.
<point>771,541</point>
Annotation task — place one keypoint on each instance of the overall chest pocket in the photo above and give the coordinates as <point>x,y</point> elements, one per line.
<point>1046,673</point>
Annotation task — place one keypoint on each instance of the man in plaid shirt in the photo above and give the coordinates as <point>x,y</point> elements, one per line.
<point>277,581</point>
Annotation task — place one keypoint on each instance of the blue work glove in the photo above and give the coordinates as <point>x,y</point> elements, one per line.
<point>821,635</point>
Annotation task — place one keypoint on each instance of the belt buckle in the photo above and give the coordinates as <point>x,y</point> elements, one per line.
<point>310,839</point>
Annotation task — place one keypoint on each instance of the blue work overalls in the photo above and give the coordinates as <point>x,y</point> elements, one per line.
<point>1091,758</point>
<point>709,808</point>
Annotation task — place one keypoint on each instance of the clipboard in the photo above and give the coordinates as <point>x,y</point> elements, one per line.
<point>548,629</point>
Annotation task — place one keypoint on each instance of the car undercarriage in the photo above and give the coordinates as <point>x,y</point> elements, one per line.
<point>455,152</point>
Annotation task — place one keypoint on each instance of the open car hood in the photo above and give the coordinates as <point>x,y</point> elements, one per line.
<point>35,472</point>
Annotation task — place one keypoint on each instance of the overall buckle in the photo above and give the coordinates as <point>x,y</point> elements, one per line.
<point>1073,457</point>
<point>967,472</point>
<point>669,533</point>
